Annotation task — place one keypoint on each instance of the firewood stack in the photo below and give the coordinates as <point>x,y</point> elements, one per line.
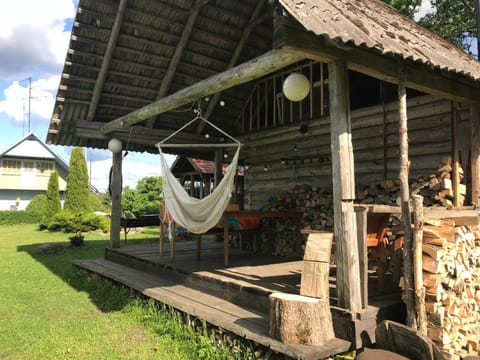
<point>436,189</point>
<point>451,275</point>
<point>317,207</point>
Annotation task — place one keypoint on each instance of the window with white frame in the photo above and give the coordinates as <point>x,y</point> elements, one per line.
<point>45,167</point>
<point>10,166</point>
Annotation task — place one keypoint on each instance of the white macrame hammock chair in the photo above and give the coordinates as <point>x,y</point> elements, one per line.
<point>197,215</point>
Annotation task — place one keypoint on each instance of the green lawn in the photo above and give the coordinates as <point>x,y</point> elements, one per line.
<point>49,310</point>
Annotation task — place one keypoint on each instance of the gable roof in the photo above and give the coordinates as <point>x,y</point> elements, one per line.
<point>30,146</point>
<point>379,27</point>
<point>126,56</point>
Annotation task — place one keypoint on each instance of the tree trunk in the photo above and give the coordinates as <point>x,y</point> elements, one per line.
<point>296,319</point>
<point>408,292</point>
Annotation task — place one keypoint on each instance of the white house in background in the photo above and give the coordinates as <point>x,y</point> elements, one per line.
<point>25,170</point>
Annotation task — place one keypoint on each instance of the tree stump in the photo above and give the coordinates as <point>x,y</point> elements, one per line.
<point>296,319</point>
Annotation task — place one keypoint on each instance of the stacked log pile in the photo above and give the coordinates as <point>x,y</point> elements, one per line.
<point>451,264</point>
<point>317,207</point>
<point>436,189</point>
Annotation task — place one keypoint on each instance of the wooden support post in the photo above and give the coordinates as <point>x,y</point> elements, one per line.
<point>116,195</point>
<point>343,179</point>
<point>418,264</point>
<point>475,152</point>
<point>361,213</point>
<point>218,167</point>
<point>405,199</point>
<point>456,166</point>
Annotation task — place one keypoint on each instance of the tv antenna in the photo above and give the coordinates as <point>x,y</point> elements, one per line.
<point>28,113</point>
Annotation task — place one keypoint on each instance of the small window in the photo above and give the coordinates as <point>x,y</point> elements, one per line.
<point>28,166</point>
<point>11,166</point>
<point>45,167</point>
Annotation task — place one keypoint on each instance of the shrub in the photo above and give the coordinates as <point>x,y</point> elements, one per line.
<point>37,205</point>
<point>18,217</point>
<point>95,203</point>
<point>70,222</point>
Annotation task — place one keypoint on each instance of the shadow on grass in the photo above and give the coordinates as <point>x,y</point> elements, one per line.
<point>106,297</point>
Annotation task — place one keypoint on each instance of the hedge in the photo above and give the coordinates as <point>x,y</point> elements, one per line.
<point>18,217</point>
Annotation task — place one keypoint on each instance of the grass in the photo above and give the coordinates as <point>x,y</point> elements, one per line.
<point>50,310</point>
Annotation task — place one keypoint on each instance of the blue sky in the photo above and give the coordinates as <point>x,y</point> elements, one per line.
<point>34,38</point>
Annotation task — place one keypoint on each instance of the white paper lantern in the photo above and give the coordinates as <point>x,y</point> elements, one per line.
<point>296,87</point>
<point>115,145</point>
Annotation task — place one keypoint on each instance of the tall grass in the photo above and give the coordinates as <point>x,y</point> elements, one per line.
<point>50,310</point>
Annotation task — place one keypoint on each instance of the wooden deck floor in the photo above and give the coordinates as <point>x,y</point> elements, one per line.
<point>234,298</point>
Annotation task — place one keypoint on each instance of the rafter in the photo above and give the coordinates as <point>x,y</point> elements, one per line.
<point>97,91</point>
<point>177,55</point>
<point>238,50</point>
<point>245,72</point>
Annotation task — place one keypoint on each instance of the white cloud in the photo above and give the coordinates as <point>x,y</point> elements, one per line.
<point>33,39</point>
<point>16,104</point>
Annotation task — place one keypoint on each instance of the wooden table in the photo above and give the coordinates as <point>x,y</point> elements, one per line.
<point>294,213</point>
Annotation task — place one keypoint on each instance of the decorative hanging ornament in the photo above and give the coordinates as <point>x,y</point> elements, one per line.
<point>296,87</point>
<point>115,145</point>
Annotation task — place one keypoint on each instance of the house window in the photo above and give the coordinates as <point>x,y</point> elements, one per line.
<point>45,167</point>
<point>28,166</point>
<point>11,166</point>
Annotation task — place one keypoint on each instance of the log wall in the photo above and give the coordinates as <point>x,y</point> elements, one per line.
<point>282,157</point>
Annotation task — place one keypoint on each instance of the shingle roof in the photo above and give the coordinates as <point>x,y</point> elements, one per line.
<point>375,25</point>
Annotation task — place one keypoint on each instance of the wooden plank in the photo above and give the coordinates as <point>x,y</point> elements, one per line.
<point>362,237</point>
<point>221,313</point>
<point>314,281</point>
<point>343,179</point>
<point>177,55</point>
<point>475,152</point>
<point>460,217</point>
<point>251,70</point>
<point>106,59</point>
<point>318,247</point>
<point>233,60</point>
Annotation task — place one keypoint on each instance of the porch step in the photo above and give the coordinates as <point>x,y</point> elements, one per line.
<point>175,292</point>
<point>245,295</point>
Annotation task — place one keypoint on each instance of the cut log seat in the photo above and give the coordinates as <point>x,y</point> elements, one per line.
<point>296,319</point>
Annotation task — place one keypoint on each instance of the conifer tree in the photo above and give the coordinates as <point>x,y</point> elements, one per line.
<point>53,203</point>
<point>78,189</point>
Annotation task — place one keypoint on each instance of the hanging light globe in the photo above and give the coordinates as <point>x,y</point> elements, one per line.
<point>115,145</point>
<point>296,87</point>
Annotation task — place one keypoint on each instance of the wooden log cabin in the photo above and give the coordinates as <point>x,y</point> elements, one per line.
<point>136,70</point>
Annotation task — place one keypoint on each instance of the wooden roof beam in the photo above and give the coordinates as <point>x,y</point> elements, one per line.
<point>233,60</point>
<point>102,75</point>
<point>248,71</point>
<point>177,55</point>
<point>291,38</point>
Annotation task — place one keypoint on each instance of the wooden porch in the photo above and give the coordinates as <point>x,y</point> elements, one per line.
<point>235,298</point>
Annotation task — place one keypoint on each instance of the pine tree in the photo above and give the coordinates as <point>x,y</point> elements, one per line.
<point>78,189</point>
<point>53,203</point>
